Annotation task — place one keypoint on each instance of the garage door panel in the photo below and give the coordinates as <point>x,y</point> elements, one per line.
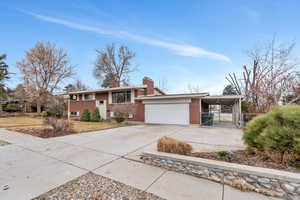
<point>167,113</point>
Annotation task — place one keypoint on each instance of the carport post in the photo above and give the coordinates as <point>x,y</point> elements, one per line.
<point>68,110</point>
<point>240,111</point>
<point>200,110</point>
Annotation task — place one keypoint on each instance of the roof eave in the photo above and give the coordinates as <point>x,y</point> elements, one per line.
<point>109,89</point>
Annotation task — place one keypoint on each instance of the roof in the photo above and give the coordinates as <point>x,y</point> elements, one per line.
<point>159,90</point>
<point>214,99</point>
<point>172,96</point>
<point>222,99</point>
<point>109,89</point>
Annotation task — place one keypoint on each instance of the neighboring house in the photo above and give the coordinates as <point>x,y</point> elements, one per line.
<point>150,104</point>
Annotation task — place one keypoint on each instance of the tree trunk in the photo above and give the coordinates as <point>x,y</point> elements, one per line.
<point>38,107</point>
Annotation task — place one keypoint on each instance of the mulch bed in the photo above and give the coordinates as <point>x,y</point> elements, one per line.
<point>44,132</point>
<point>245,158</point>
<point>95,187</point>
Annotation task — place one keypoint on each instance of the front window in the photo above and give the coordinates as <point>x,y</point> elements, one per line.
<point>88,96</point>
<point>121,97</point>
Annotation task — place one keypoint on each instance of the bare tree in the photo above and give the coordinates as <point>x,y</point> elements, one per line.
<point>78,85</point>
<point>113,66</point>
<point>43,69</point>
<point>271,77</point>
<point>193,88</point>
<point>163,84</point>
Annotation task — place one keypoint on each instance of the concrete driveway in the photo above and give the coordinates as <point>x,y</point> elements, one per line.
<point>30,166</point>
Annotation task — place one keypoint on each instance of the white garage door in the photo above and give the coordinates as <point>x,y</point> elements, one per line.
<point>167,113</point>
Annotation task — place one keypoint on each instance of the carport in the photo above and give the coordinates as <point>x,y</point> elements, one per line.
<point>234,100</point>
<point>187,109</point>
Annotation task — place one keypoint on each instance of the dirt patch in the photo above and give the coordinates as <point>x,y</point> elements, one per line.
<point>44,132</point>
<point>245,158</point>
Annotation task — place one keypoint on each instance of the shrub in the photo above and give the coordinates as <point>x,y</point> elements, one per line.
<point>170,145</point>
<point>222,154</point>
<point>58,125</point>
<point>276,132</point>
<point>95,115</point>
<point>44,113</point>
<point>122,112</point>
<point>120,116</point>
<point>54,111</point>
<point>12,108</point>
<point>253,131</point>
<point>85,115</point>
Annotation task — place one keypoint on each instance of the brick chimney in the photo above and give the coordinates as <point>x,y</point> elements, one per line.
<point>150,85</point>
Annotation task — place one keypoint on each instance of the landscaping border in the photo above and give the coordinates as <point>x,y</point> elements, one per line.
<point>270,182</point>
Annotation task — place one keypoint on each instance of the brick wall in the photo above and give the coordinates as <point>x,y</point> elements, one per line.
<point>150,85</point>
<point>76,106</point>
<point>137,109</point>
<point>195,111</point>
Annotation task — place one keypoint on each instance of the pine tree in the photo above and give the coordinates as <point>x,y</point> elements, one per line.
<point>228,90</point>
<point>4,75</point>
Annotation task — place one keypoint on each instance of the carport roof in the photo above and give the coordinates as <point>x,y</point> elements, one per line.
<point>222,99</point>
<point>214,99</point>
<point>173,96</point>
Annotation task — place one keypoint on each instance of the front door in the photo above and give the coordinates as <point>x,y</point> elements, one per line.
<point>101,105</point>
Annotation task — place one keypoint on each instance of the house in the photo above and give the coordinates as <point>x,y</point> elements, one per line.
<point>150,105</point>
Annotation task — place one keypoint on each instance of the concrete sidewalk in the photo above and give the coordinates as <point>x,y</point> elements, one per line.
<point>30,166</point>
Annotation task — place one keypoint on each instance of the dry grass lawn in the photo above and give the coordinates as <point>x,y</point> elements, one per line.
<point>13,123</point>
<point>20,122</point>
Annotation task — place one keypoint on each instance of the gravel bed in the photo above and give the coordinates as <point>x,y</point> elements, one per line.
<point>95,187</point>
<point>3,143</point>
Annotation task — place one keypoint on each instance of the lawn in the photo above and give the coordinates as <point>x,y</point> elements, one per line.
<point>15,123</point>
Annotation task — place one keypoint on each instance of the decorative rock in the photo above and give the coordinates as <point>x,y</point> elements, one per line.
<point>250,180</point>
<point>230,177</point>
<point>288,188</point>
<point>295,184</point>
<point>263,180</point>
<point>298,190</point>
<point>215,178</point>
<point>247,182</point>
<point>266,185</point>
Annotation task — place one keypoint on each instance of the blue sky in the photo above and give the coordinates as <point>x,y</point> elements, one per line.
<point>177,42</point>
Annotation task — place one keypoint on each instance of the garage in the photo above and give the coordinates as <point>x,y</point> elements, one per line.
<point>167,113</point>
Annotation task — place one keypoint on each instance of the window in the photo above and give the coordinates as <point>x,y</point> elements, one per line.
<point>74,113</point>
<point>121,97</point>
<point>88,96</point>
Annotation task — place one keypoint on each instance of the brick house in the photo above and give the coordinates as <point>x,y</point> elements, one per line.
<point>149,104</point>
<point>107,99</point>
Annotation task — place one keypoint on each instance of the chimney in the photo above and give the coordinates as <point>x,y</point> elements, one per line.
<point>150,85</point>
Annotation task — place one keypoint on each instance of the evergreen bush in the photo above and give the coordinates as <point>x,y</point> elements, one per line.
<point>277,131</point>
<point>85,115</point>
<point>95,115</point>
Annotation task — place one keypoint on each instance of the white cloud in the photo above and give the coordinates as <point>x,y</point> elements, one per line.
<point>212,83</point>
<point>179,49</point>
